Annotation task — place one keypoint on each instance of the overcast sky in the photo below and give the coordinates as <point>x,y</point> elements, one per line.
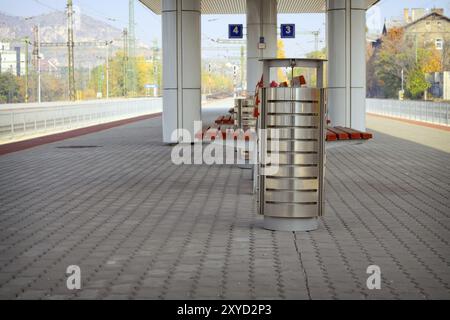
<point>148,26</point>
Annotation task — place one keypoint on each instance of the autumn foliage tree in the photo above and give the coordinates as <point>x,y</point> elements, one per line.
<point>9,88</point>
<point>12,88</point>
<point>416,83</point>
<point>147,72</point>
<point>388,63</point>
<point>216,82</point>
<point>281,54</point>
<point>385,65</point>
<point>431,60</point>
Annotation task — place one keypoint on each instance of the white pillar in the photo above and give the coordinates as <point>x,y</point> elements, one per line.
<point>346,21</point>
<point>261,22</point>
<point>181,21</point>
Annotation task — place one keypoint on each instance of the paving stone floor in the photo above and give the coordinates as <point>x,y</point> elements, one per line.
<point>142,228</point>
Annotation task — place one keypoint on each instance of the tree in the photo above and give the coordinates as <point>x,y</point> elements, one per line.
<point>311,77</point>
<point>416,83</point>
<point>216,82</point>
<point>396,54</point>
<point>281,51</point>
<point>431,60</point>
<point>9,89</point>
<point>117,82</point>
<point>281,54</point>
<point>53,88</point>
<point>321,54</point>
<point>147,72</point>
<point>374,86</point>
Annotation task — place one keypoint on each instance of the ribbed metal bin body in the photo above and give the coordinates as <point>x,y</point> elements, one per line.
<point>244,113</point>
<point>297,115</point>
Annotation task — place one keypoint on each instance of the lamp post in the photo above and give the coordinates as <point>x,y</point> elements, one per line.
<point>403,79</point>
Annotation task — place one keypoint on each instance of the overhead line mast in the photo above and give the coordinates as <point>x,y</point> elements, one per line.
<point>125,62</point>
<point>132,89</point>
<point>70,46</point>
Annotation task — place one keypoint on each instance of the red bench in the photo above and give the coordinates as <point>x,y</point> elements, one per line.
<point>333,134</point>
<point>344,134</point>
<point>340,135</point>
<point>225,120</point>
<point>223,123</point>
<point>357,134</point>
<point>211,134</point>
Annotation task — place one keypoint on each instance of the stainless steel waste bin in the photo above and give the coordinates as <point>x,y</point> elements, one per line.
<point>291,198</point>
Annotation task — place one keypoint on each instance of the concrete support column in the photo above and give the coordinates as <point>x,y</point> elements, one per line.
<point>346,20</point>
<point>261,22</point>
<point>181,20</point>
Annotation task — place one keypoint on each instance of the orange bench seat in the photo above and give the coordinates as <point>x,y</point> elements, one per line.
<point>222,124</point>
<point>228,120</point>
<point>344,134</point>
<point>212,133</point>
<point>357,134</point>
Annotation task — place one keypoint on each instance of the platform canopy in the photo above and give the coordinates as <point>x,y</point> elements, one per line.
<point>239,6</point>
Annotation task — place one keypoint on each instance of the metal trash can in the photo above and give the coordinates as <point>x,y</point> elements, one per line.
<point>291,199</point>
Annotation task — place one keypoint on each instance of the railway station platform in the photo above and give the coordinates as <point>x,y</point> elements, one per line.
<point>140,227</point>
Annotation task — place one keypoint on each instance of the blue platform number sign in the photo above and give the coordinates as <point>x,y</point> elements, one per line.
<point>235,31</point>
<point>288,31</point>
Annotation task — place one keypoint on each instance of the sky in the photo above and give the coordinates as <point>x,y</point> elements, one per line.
<point>148,24</point>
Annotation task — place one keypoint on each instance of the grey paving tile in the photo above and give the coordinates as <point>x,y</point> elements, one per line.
<point>142,228</point>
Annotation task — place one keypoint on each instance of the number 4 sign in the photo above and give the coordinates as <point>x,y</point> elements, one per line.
<point>235,31</point>
<point>288,31</point>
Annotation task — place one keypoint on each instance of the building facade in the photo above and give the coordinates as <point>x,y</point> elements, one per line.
<point>431,31</point>
<point>11,60</point>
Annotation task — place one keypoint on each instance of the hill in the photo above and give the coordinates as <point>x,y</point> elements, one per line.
<point>54,29</point>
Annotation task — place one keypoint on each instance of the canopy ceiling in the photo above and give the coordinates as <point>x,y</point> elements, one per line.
<point>239,6</point>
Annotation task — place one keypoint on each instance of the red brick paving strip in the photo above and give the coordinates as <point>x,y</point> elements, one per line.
<point>419,123</point>
<point>27,144</point>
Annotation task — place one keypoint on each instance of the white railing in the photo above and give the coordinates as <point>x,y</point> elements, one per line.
<point>21,121</point>
<point>425,111</point>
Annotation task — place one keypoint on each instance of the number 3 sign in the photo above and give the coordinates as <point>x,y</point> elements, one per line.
<point>288,31</point>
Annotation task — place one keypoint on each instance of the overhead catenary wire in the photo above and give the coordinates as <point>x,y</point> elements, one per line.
<point>48,6</point>
<point>103,15</point>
